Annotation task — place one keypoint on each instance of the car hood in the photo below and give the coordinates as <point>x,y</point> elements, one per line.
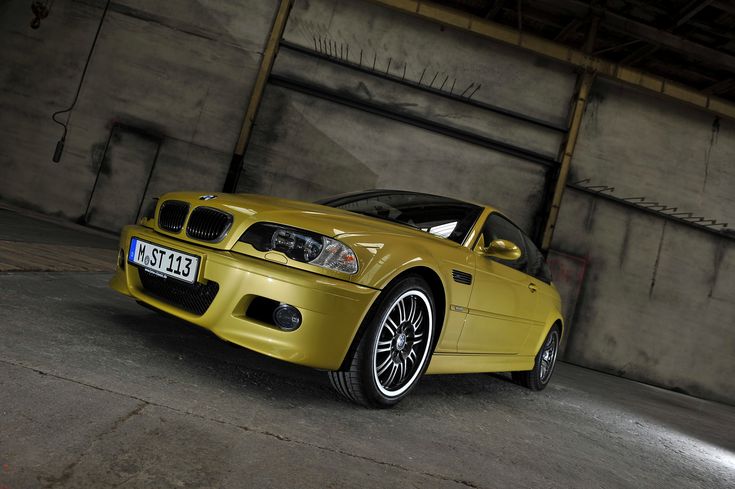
<point>248,209</point>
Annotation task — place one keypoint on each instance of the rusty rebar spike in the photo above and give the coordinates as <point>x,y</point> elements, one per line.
<point>433,79</point>
<point>445,81</point>
<point>475,90</point>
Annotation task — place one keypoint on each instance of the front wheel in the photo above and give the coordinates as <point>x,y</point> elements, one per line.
<point>538,378</point>
<point>395,349</point>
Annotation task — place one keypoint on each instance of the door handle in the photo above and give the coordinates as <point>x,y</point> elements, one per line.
<point>532,287</point>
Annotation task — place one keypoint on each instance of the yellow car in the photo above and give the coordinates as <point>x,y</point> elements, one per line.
<point>376,287</point>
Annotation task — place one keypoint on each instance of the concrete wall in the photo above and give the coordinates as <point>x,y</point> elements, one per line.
<point>656,304</point>
<point>180,71</point>
<point>646,145</point>
<point>308,147</point>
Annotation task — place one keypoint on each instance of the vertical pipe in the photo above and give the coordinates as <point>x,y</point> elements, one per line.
<point>266,64</point>
<point>582,94</point>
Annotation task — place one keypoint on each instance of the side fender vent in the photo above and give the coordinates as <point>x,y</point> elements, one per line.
<point>462,277</point>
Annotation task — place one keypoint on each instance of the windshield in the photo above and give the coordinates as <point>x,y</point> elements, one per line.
<point>441,216</point>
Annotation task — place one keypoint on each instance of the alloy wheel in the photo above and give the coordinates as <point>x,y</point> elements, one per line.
<point>402,343</point>
<point>548,356</point>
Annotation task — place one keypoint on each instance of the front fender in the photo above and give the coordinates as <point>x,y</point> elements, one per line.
<point>383,257</point>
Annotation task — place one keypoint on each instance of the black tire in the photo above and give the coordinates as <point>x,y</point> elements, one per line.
<point>543,367</point>
<point>395,347</point>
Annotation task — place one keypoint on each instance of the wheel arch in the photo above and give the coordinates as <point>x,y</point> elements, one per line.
<point>438,292</point>
<point>554,321</point>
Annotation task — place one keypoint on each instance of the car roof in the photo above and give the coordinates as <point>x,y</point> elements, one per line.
<point>369,192</point>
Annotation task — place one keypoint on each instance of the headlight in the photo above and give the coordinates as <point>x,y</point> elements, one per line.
<point>301,245</point>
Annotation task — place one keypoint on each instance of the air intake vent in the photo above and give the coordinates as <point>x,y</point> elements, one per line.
<point>462,277</point>
<point>194,298</point>
<point>172,215</point>
<point>208,224</point>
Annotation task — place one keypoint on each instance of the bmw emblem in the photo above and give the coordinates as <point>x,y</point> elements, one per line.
<point>207,197</point>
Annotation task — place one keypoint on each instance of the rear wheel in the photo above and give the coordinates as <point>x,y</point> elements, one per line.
<point>394,350</point>
<point>538,378</point>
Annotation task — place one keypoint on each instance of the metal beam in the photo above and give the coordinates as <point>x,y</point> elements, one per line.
<point>623,25</point>
<point>690,10</point>
<point>390,112</point>
<point>498,32</point>
<point>266,64</point>
<point>721,86</point>
<point>495,9</point>
<point>575,123</point>
<point>569,30</point>
<point>639,54</point>
<point>725,5</point>
<point>456,96</point>
<point>591,38</point>
<point>652,210</point>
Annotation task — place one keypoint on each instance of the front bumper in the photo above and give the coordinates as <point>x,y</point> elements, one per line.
<point>332,309</point>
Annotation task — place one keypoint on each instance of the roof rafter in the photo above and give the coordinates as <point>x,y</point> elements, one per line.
<point>647,33</point>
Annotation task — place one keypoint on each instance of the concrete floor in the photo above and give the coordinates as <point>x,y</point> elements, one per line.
<point>96,391</point>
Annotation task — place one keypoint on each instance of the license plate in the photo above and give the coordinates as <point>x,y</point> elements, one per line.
<point>164,261</point>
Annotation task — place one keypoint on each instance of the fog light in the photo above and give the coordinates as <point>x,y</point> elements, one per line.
<point>287,317</point>
<point>121,259</point>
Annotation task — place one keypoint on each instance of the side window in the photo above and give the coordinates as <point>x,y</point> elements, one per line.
<point>537,266</point>
<point>497,227</point>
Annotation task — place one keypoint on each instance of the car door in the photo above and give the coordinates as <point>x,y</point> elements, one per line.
<point>502,306</point>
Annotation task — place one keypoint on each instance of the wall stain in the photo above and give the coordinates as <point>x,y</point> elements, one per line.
<point>719,254</point>
<point>591,112</point>
<point>708,152</point>
<point>361,87</point>
<point>589,220</point>
<point>658,257</point>
<point>163,22</point>
<point>624,246</point>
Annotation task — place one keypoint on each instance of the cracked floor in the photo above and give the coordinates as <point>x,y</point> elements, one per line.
<point>97,392</point>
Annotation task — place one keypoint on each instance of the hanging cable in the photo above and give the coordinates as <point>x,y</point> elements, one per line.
<point>60,144</point>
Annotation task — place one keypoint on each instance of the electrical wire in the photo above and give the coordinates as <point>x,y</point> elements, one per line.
<point>79,87</point>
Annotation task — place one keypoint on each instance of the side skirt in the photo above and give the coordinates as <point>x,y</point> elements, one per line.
<point>445,363</point>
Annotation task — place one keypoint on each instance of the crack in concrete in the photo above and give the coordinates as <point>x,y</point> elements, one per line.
<point>68,471</point>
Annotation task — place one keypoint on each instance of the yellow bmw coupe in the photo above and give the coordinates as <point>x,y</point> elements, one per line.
<point>376,287</point>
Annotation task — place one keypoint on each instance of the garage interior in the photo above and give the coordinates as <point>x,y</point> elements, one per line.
<point>604,128</point>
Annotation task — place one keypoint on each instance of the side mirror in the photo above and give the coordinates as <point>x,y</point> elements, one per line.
<point>503,249</point>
